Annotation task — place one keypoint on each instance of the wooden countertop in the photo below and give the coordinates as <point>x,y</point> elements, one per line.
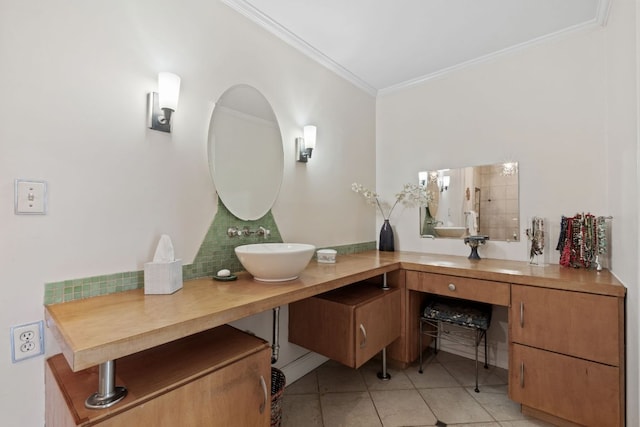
<point>94,330</point>
<point>518,272</point>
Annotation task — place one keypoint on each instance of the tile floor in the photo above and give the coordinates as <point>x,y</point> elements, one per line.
<point>334,395</point>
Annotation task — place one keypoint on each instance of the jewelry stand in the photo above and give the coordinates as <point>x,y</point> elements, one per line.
<point>473,242</point>
<point>536,236</point>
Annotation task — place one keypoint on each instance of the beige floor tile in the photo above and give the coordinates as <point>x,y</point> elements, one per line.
<point>304,385</point>
<point>339,378</point>
<point>477,425</point>
<point>445,357</point>
<point>501,373</point>
<point>398,381</point>
<point>402,408</point>
<point>348,410</point>
<point>335,395</point>
<point>465,373</point>
<point>525,423</point>
<point>434,375</point>
<point>454,405</point>
<point>301,410</point>
<point>495,401</point>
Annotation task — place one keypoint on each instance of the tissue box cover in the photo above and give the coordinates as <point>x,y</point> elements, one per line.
<point>162,277</point>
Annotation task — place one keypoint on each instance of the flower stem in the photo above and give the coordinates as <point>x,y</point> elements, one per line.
<point>392,208</point>
<point>381,211</point>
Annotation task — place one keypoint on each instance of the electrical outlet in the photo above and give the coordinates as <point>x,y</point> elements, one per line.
<point>27,341</point>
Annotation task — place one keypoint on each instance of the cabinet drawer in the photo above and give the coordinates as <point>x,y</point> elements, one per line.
<point>497,293</point>
<point>577,390</point>
<point>349,325</point>
<point>572,323</point>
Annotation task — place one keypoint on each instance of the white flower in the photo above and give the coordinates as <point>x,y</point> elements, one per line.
<point>411,195</point>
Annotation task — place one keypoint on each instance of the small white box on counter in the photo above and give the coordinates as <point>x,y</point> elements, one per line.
<point>162,277</point>
<point>326,256</point>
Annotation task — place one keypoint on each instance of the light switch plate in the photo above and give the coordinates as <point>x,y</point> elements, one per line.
<point>30,197</point>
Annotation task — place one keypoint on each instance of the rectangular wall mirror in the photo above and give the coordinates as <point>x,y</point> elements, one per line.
<point>475,200</point>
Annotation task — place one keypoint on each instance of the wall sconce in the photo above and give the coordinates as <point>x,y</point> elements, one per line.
<point>305,146</point>
<point>161,104</point>
<point>444,186</point>
<point>443,182</point>
<point>509,169</point>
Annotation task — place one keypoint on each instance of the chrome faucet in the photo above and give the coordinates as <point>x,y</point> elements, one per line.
<point>233,232</point>
<point>263,232</point>
<point>246,231</point>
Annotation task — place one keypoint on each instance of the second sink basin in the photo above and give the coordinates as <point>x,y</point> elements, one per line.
<point>450,231</point>
<point>275,262</point>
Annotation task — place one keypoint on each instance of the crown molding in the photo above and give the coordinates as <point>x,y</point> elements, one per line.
<point>255,15</point>
<point>246,9</point>
<point>599,20</point>
<point>602,14</point>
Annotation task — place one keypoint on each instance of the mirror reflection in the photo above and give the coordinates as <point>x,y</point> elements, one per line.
<point>245,152</point>
<point>471,201</point>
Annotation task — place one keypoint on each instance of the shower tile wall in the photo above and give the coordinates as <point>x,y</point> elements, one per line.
<point>498,204</point>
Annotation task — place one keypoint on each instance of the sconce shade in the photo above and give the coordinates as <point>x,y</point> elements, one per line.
<point>168,90</point>
<point>509,169</point>
<point>305,145</point>
<point>161,104</point>
<point>310,137</point>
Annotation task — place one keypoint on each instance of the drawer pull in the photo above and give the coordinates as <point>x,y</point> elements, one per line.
<point>264,390</point>
<point>521,314</point>
<point>521,374</point>
<point>452,287</point>
<point>363,343</point>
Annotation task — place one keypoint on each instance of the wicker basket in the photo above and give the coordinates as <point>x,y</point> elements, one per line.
<point>278,382</point>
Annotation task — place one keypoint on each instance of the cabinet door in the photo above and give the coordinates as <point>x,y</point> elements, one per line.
<point>572,323</point>
<point>349,326</point>
<point>377,325</point>
<point>577,390</point>
<point>236,395</point>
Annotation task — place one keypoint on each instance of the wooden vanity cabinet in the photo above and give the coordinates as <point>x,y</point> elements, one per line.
<point>349,325</point>
<point>220,377</point>
<point>566,355</point>
<point>419,285</point>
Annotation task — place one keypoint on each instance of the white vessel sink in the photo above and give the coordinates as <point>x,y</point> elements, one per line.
<point>450,231</point>
<point>275,262</point>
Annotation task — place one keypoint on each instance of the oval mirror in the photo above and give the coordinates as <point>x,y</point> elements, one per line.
<point>245,152</point>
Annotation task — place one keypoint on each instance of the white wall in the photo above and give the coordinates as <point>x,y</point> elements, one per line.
<point>566,110</point>
<point>622,165</point>
<point>74,77</point>
<point>543,107</point>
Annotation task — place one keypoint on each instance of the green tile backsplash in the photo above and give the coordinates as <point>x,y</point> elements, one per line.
<point>215,253</point>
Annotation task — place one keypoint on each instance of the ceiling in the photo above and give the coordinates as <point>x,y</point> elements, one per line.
<point>384,45</point>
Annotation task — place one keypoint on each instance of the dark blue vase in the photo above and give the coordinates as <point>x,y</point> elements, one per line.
<point>386,237</point>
